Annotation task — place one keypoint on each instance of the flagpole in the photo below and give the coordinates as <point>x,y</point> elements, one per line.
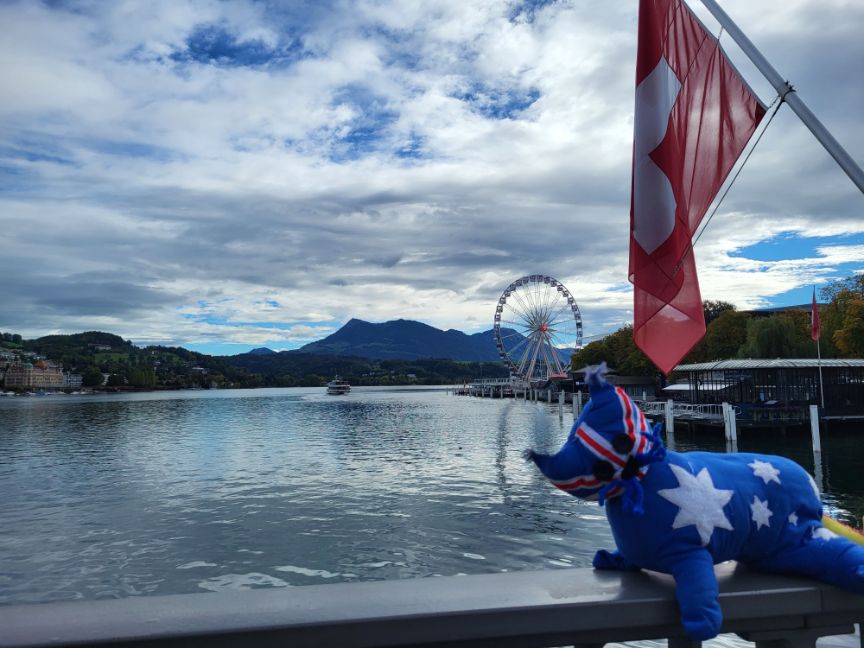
<point>788,94</point>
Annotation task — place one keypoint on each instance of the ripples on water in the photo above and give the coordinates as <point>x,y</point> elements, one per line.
<point>166,493</point>
<point>113,496</point>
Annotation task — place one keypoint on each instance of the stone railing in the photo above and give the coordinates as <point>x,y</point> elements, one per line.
<point>547,608</point>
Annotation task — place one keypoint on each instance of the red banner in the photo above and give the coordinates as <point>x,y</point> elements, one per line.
<point>694,115</point>
<point>815,324</point>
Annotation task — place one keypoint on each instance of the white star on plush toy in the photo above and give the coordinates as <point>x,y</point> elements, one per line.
<point>824,534</point>
<point>761,512</point>
<point>765,470</point>
<point>699,503</point>
<point>793,519</point>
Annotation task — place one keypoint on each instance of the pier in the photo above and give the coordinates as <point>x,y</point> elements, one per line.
<point>580,607</point>
<point>507,388</point>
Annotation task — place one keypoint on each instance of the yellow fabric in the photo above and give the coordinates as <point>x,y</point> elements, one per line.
<point>841,529</point>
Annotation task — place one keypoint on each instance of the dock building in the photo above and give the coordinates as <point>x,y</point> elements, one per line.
<point>770,390</point>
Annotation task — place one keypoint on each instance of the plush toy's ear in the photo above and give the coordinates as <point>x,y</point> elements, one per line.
<point>595,376</point>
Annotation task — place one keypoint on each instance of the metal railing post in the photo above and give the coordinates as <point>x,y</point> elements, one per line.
<point>669,424</point>
<point>814,428</point>
<point>729,428</point>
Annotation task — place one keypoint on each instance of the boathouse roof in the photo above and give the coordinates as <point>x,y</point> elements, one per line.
<point>777,363</point>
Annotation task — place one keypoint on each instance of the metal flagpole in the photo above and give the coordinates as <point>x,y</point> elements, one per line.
<point>788,94</point>
<point>814,313</point>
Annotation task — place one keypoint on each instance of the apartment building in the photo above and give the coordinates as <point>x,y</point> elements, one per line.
<point>41,375</point>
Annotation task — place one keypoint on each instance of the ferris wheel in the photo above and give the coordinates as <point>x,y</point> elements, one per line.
<point>537,327</point>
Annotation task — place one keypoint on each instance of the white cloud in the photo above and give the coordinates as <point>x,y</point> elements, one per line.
<point>366,170</point>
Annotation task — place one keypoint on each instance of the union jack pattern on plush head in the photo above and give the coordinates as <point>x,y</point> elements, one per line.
<point>609,449</point>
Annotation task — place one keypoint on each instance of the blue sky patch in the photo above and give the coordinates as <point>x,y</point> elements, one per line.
<point>790,245</point>
<point>373,118</point>
<point>13,153</point>
<point>783,246</point>
<point>400,46</point>
<point>497,103</point>
<point>215,45</point>
<point>527,10</point>
<point>412,149</point>
<point>71,6</point>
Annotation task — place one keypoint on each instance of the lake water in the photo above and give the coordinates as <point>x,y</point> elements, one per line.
<point>164,493</point>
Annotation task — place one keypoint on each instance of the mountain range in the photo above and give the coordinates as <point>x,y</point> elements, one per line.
<point>403,340</point>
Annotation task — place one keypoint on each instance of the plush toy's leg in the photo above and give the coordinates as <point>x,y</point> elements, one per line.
<point>824,556</point>
<point>613,560</point>
<point>696,591</point>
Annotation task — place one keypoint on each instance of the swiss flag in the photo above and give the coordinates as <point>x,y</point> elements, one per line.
<point>694,115</point>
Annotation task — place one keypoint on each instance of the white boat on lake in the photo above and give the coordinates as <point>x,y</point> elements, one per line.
<point>338,386</point>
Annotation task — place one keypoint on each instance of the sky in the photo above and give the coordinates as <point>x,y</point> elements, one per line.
<point>231,175</point>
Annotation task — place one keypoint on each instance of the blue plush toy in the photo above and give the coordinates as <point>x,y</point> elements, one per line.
<point>681,513</point>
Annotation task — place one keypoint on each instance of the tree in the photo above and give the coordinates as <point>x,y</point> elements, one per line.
<point>619,351</point>
<point>91,377</point>
<point>843,317</point>
<point>144,378</point>
<point>850,337</point>
<point>778,336</point>
<point>116,380</point>
<point>853,284</point>
<point>712,309</point>
<point>725,335</point>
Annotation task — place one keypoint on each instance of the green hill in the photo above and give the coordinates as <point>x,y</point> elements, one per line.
<point>94,353</point>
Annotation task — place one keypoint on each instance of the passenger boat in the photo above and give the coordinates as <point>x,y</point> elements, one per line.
<point>338,386</point>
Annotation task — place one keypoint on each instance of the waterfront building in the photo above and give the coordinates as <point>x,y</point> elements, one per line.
<point>763,388</point>
<point>41,375</point>
<point>72,381</point>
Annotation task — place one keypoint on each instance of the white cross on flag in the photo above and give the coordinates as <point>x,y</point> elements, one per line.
<point>694,115</point>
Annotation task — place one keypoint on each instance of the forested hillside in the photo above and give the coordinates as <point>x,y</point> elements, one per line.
<point>736,334</point>
<point>95,353</point>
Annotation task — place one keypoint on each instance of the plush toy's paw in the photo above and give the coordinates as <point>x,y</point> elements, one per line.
<point>703,625</point>
<point>613,560</point>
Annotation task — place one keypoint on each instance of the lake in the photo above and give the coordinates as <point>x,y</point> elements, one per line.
<point>121,495</point>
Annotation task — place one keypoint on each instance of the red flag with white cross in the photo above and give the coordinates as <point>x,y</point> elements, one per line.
<point>694,116</point>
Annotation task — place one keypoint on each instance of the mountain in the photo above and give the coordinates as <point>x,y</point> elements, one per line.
<point>404,340</point>
<point>262,351</point>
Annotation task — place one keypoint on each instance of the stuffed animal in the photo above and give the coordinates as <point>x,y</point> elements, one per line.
<point>681,513</point>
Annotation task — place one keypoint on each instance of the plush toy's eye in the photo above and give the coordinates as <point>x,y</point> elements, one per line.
<point>603,470</point>
<point>622,443</point>
<point>630,469</point>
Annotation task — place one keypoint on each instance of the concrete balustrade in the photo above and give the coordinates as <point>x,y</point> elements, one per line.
<point>546,608</point>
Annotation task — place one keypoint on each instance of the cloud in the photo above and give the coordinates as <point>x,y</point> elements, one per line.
<point>255,173</point>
